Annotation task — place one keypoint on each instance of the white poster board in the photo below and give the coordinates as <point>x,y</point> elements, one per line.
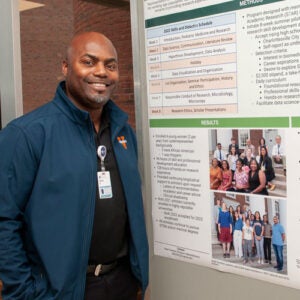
<point>218,70</point>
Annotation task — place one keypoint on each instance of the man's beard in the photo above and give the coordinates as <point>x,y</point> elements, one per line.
<point>100,99</point>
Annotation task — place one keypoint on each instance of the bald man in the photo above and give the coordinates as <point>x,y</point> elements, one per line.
<point>71,212</point>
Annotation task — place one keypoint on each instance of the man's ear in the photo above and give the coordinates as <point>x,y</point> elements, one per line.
<point>64,67</point>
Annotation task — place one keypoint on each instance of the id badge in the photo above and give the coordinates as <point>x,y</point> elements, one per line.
<point>104,185</point>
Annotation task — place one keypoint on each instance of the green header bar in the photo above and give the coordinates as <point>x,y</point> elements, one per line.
<point>296,122</point>
<point>279,122</point>
<point>205,11</point>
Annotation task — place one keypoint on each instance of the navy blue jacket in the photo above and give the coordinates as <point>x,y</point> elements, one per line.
<point>48,168</point>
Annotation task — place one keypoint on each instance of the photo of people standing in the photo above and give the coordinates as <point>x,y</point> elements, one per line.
<point>244,219</point>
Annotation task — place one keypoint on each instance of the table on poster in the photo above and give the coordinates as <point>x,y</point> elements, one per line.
<point>192,67</point>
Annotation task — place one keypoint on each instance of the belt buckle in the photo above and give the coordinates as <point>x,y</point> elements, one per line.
<point>98,270</point>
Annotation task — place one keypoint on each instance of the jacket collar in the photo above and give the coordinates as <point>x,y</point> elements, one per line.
<point>68,107</point>
<point>117,117</point>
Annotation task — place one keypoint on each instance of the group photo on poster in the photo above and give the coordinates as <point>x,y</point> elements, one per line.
<point>248,161</point>
<point>249,231</point>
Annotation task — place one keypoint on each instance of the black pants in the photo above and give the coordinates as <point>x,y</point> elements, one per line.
<point>118,284</point>
<point>218,233</point>
<point>267,248</point>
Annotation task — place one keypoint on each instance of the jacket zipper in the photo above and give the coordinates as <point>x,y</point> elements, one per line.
<point>88,235</point>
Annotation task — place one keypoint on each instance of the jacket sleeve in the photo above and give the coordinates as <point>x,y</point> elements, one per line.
<point>17,171</point>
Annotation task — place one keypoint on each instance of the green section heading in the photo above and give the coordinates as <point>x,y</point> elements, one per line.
<point>296,122</point>
<point>279,122</point>
<point>206,11</point>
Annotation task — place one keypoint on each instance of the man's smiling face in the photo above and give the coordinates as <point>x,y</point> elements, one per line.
<point>91,71</point>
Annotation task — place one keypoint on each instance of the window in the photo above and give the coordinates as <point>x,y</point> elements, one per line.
<point>247,200</point>
<point>277,212</point>
<point>244,134</point>
<point>231,195</point>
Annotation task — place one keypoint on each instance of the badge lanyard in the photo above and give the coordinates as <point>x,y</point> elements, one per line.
<point>104,182</point>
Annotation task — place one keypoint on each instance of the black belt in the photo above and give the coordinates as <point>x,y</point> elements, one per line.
<point>100,269</point>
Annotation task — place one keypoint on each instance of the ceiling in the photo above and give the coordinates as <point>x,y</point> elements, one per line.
<point>25,5</point>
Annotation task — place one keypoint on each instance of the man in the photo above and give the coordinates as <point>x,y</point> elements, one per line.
<point>278,153</point>
<point>71,212</point>
<point>217,209</point>
<point>278,237</point>
<point>219,154</point>
<point>234,145</point>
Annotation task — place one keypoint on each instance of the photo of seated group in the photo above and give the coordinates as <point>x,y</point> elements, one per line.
<point>248,161</point>
<point>249,230</point>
